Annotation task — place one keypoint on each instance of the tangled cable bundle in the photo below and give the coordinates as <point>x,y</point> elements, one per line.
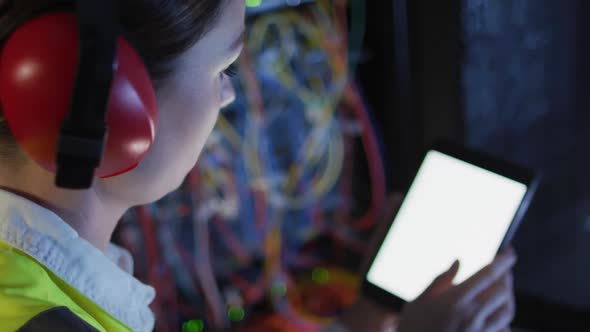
<point>232,246</point>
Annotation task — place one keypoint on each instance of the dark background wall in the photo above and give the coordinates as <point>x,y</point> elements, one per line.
<point>510,77</point>
<point>524,101</point>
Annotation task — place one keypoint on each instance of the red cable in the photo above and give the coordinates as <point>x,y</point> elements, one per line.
<point>375,162</point>
<point>149,235</point>
<point>153,262</point>
<point>374,159</point>
<point>232,242</point>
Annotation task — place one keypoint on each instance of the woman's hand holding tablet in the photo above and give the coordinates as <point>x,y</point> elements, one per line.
<point>483,303</point>
<point>465,206</point>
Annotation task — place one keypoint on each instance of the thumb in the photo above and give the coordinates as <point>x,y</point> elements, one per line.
<point>443,281</point>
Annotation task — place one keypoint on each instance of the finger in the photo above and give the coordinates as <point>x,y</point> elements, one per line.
<point>512,303</point>
<point>502,286</point>
<point>500,320</point>
<point>489,302</point>
<point>443,281</point>
<point>486,277</point>
<point>505,315</point>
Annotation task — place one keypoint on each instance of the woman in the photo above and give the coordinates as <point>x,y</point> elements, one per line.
<point>57,265</point>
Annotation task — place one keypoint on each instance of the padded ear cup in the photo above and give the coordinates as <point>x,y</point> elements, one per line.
<point>38,67</point>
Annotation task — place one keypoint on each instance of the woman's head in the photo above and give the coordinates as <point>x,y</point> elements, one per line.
<point>186,46</point>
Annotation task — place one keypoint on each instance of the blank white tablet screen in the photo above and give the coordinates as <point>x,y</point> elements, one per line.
<point>453,210</point>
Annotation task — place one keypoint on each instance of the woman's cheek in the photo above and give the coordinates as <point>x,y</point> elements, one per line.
<point>207,109</point>
<point>210,105</point>
<point>199,119</point>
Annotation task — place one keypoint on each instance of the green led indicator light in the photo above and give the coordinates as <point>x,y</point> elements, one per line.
<point>253,3</point>
<point>195,325</point>
<point>236,314</point>
<point>320,275</point>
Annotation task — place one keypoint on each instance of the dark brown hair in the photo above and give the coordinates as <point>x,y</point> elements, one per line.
<point>160,30</point>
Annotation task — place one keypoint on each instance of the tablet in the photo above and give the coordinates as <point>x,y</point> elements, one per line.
<point>461,205</point>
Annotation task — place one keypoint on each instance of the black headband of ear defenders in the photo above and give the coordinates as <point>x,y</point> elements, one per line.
<point>82,134</point>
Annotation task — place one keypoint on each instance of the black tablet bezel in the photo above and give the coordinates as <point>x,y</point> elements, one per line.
<point>476,158</point>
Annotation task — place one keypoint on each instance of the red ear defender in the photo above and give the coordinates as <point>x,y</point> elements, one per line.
<point>38,66</point>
